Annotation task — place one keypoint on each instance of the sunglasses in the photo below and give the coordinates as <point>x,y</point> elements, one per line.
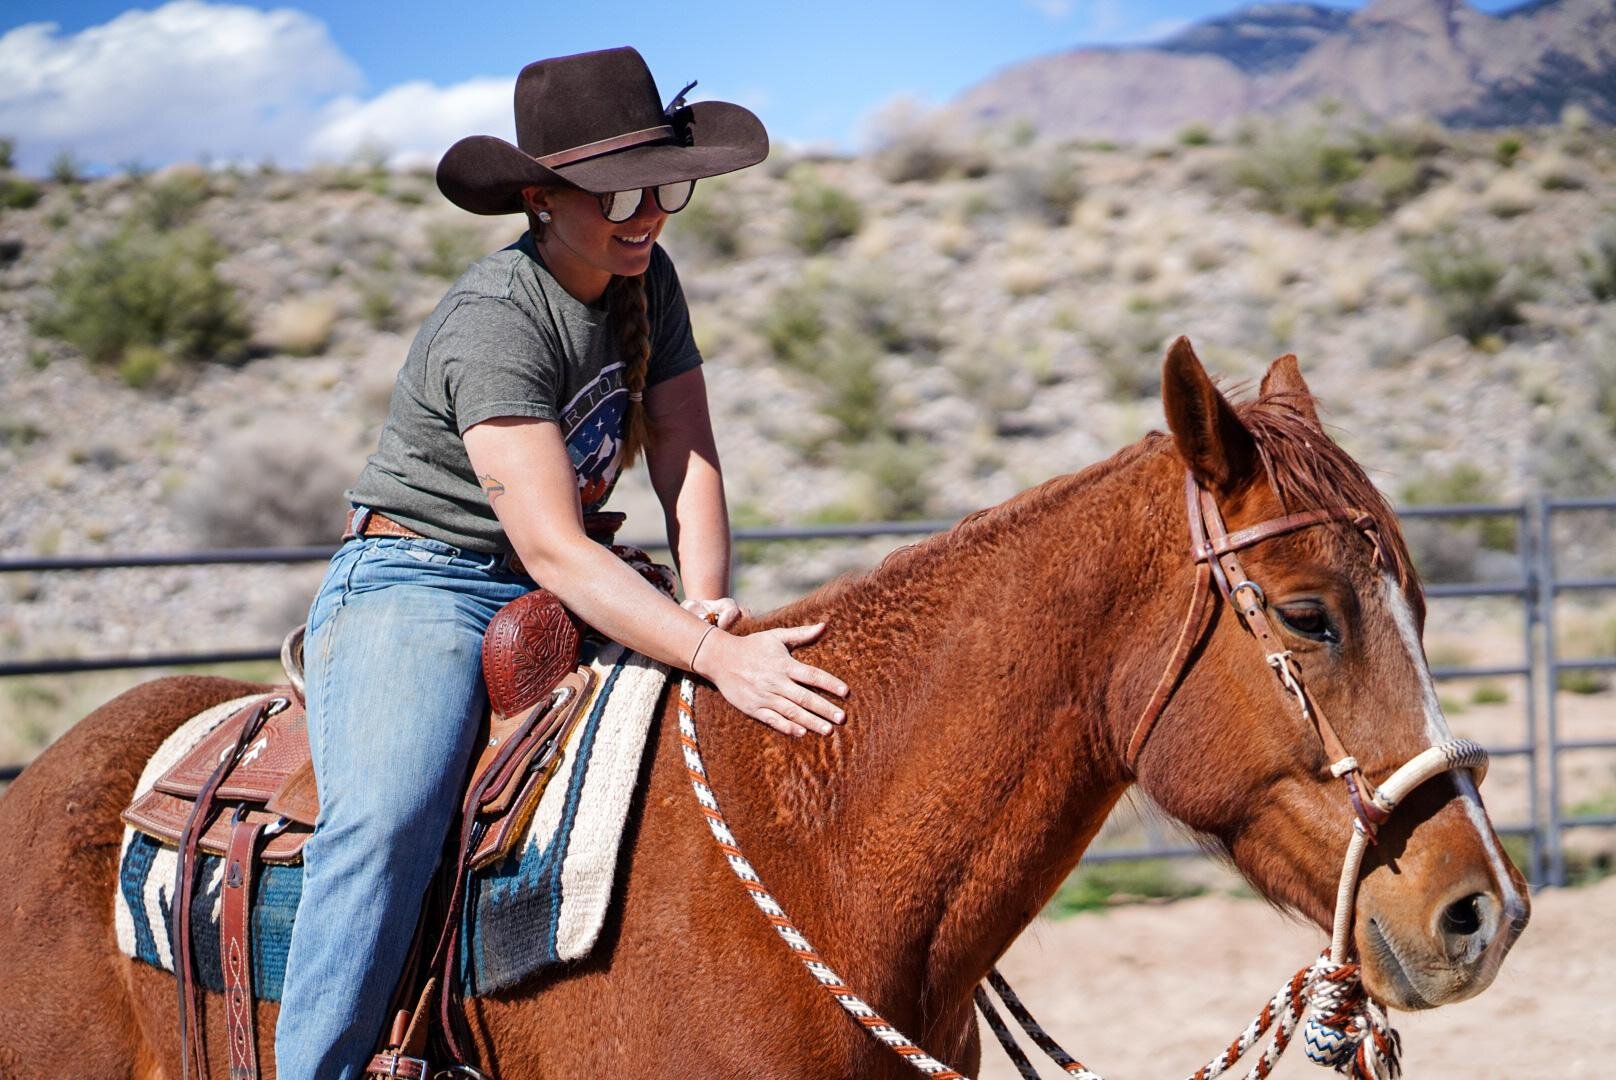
<point>619,206</point>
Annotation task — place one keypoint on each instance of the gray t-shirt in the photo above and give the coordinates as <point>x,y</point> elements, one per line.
<point>508,340</point>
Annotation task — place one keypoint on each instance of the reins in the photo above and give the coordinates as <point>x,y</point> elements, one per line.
<point>1347,1030</point>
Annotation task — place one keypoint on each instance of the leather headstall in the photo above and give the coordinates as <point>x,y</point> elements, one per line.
<point>1214,550</point>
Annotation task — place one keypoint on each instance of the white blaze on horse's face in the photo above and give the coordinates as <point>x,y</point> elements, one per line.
<point>1428,936</point>
<point>1437,730</point>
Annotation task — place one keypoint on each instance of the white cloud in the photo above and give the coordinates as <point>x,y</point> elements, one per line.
<point>185,80</point>
<point>1152,31</point>
<point>1055,9</point>
<point>194,79</point>
<point>1108,21</point>
<point>413,122</point>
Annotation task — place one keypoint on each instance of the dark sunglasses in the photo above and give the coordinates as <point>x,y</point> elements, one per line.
<point>619,206</point>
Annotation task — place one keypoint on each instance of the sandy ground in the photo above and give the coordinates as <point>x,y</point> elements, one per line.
<point>1153,991</point>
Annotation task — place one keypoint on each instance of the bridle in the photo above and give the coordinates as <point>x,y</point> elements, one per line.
<point>1216,554</point>
<point>1346,1029</point>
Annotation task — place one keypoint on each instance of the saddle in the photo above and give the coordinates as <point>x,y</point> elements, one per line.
<point>246,793</point>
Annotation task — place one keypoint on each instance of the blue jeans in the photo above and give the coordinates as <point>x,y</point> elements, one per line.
<point>394,685</point>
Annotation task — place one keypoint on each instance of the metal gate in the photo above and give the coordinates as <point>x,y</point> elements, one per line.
<point>1538,590</point>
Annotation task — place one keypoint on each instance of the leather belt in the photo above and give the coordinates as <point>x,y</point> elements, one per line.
<point>376,524</point>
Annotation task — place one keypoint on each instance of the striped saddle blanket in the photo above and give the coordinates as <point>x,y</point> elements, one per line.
<point>543,905</point>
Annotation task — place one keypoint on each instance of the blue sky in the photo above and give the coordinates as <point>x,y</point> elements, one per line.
<point>120,82</point>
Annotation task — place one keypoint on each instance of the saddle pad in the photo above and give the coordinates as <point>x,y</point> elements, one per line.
<point>543,905</point>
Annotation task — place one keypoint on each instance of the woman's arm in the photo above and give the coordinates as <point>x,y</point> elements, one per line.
<point>683,461</point>
<point>523,466</point>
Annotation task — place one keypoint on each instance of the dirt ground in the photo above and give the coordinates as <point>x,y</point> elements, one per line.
<point>1152,991</point>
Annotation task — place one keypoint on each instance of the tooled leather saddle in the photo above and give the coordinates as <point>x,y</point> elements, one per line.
<point>246,793</point>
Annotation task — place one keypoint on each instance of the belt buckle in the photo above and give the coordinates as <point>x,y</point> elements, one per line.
<point>396,1059</point>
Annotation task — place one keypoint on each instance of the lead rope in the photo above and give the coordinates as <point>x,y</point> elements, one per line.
<point>1347,1030</point>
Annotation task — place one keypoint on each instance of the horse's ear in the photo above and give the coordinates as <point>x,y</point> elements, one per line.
<point>1210,437</point>
<point>1284,379</point>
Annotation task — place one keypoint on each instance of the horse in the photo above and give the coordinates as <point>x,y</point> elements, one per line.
<point>998,671</point>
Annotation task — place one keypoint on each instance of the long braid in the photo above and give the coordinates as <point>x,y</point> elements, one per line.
<point>630,312</point>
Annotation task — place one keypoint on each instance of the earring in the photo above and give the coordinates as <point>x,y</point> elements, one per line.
<point>544,216</point>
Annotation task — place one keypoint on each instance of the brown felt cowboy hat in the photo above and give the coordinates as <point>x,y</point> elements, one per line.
<point>595,121</point>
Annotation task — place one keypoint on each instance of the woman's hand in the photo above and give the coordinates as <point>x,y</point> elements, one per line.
<point>757,674</point>
<point>725,607</point>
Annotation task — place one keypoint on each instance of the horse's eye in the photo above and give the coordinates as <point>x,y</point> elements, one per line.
<point>1310,620</point>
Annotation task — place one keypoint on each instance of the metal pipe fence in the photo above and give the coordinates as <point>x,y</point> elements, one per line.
<point>1537,590</point>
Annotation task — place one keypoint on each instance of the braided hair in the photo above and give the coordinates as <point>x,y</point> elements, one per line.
<point>630,313</point>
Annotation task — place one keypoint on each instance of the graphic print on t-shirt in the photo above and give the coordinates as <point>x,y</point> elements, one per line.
<point>593,426</point>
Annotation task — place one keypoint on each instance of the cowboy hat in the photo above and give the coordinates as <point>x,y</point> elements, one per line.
<point>595,121</point>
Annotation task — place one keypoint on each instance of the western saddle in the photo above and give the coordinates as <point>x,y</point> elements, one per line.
<point>246,793</point>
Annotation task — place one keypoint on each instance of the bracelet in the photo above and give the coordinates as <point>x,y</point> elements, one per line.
<point>699,644</point>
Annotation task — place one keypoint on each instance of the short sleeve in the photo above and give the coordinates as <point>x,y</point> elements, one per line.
<point>493,362</point>
<point>673,345</point>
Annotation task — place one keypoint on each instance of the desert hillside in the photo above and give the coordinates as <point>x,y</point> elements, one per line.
<point>203,358</point>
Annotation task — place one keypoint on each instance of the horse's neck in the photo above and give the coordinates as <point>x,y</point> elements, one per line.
<point>991,675</point>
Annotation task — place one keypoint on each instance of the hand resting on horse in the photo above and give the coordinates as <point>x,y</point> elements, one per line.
<point>726,610</point>
<point>540,514</point>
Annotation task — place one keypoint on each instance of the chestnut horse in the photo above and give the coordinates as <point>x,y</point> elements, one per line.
<point>997,673</point>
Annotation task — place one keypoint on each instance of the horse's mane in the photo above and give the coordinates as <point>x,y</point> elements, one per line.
<point>979,526</point>
<point>1306,468</point>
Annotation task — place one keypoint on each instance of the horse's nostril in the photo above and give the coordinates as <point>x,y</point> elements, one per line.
<point>1463,917</point>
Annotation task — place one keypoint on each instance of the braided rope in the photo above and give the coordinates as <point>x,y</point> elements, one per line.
<point>1347,1031</point>
<point>855,1006</point>
<point>1035,1031</point>
<point>1001,1032</point>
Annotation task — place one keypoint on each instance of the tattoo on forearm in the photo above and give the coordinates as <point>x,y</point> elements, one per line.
<point>492,487</point>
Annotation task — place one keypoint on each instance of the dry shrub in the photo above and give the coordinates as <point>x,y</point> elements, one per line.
<point>1327,170</point>
<point>141,286</point>
<point>821,214</point>
<point>1555,171</point>
<point>451,248</point>
<point>301,326</point>
<point>1045,187</point>
<point>1475,293</point>
<point>713,226</point>
<point>1599,264</point>
<point>911,143</point>
<point>1510,195</point>
<point>1026,277</point>
<point>173,197</point>
<point>271,484</point>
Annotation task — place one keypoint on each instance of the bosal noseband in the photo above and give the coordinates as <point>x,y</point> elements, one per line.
<point>1347,1030</point>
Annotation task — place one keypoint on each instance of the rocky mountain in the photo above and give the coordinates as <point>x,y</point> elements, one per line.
<point>1437,58</point>
<point>1261,38</point>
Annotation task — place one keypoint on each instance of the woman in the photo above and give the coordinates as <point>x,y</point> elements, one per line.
<point>548,367</point>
